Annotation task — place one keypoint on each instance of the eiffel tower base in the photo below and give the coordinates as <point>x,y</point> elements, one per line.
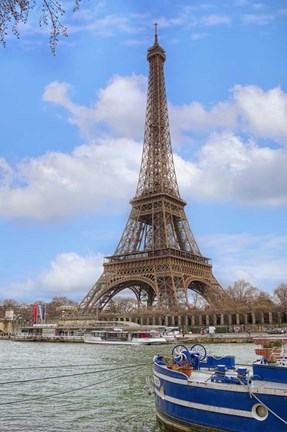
<point>162,282</point>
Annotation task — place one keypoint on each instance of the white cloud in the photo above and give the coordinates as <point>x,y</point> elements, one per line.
<point>259,19</point>
<point>58,185</point>
<point>79,115</point>
<point>6,174</point>
<point>122,105</point>
<point>250,257</point>
<point>249,109</point>
<point>198,36</point>
<point>215,20</point>
<point>263,113</point>
<point>110,24</point>
<point>125,119</point>
<point>228,167</point>
<point>69,274</point>
<point>95,20</point>
<point>195,116</point>
<point>164,22</point>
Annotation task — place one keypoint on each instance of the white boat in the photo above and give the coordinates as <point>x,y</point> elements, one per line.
<point>118,336</point>
<point>173,334</point>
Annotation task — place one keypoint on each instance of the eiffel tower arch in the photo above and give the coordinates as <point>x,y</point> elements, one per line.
<point>157,257</point>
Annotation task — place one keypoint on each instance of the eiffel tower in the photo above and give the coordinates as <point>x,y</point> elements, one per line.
<point>157,257</point>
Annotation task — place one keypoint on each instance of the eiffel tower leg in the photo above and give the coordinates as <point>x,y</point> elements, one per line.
<point>145,297</point>
<point>182,298</point>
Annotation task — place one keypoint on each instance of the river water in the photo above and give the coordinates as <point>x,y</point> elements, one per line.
<point>78,387</point>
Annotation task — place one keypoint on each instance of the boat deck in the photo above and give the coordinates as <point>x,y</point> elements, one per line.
<point>203,377</point>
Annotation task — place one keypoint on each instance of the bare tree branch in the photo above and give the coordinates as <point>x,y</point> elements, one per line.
<point>16,12</point>
<point>51,12</point>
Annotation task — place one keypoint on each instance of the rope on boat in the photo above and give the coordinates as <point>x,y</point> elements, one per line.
<point>251,393</point>
<point>255,397</point>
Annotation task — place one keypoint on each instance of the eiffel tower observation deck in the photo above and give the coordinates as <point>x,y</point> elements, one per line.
<point>157,257</point>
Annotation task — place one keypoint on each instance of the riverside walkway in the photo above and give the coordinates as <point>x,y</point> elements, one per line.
<point>242,337</point>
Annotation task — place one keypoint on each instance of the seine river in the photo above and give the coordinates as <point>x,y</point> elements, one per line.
<point>81,387</point>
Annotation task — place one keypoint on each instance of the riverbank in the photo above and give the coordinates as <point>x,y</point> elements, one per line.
<point>54,339</point>
<point>243,337</point>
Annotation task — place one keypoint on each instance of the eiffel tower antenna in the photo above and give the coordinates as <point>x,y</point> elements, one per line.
<point>157,257</point>
<point>155,33</point>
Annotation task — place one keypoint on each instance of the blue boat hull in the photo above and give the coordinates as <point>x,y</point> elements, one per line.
<point>203,406</point>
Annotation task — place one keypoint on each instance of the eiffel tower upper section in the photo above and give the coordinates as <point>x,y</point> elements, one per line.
<point>157,257</point>
<point>157,214</point>
<point>157,174</point>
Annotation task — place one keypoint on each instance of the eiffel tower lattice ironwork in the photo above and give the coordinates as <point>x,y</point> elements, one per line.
<point>157,256</point>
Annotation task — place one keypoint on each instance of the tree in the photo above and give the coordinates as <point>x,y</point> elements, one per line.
<point>121,305</point>
<point>264,300</point>
<point>63,301</point>
<point>10,303</point>
<point>16,12</point>
<point>280,294</point>
<point>242,294</point>
<point>196,300</point>
<point>55,307</point>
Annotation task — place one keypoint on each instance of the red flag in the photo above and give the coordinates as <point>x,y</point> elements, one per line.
<point>35,312</point>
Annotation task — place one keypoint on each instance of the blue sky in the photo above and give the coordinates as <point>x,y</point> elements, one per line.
<point>71,131</point>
